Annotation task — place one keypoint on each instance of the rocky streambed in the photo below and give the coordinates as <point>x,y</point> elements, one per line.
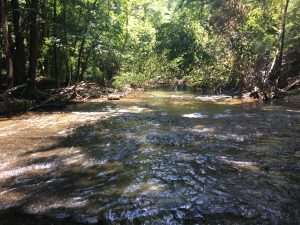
<point>153,158</point>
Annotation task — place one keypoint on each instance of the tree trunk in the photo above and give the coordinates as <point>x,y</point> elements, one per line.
<point>69,74</point>
<point>82,46</point>
<point>33,44</point>
<point>44,33</point>
<point>84,65</point>
<point>68,65</point>
<point>19,56</point>
<point>79,60</point>
<point>85,62</point>
<point>274,76</point>
<point>126,36</point>
<point>6,46</point>
<point>56,73</point>
<point>282,78</point>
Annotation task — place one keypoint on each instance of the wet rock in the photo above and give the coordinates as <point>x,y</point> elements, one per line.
<point>113,97</point>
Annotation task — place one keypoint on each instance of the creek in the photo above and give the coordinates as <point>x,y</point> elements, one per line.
<point>156,158</point>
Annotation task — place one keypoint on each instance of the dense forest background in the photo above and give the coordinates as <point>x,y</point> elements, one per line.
<point>210,44</point>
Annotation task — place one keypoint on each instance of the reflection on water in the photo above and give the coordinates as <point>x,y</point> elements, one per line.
<point>159,158</point>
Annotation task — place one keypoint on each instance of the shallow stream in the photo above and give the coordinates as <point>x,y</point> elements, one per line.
<point>156,158</point>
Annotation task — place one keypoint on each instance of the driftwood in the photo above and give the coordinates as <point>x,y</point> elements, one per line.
<point>64,95</point>
<point>15,88</point>
<point>75,94</point>
<point>58,96</point>
<point>290,86</point>
<point>43,103</point>
<point>7,92</point>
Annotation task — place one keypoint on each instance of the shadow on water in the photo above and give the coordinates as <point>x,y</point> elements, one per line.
<point>160,165</point>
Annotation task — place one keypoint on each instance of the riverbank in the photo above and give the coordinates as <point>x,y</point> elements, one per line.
<point>83,92</point>
<point>58,98</point>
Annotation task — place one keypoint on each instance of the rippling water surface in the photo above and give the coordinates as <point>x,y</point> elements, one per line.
<point>160,158</point>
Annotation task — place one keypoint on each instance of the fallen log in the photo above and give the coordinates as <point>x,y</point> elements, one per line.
<point>5,94</point>
<point>289,86</point>
<point>43,103</point>
<point>15,88</point>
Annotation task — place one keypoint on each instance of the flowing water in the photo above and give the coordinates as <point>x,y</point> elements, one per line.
<point>158,158</point>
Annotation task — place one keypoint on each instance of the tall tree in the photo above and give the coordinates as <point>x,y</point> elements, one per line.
<point>19,55</point>
<point>68,79</point>
<point>33,44</point>
<point>6,45</point>
<point>56,73</point>
<point>282,77</point>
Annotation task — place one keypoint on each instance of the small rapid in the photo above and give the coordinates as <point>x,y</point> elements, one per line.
<point>157,158</point>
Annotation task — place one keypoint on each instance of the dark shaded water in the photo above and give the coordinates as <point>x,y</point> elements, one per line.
<point>160,158</point>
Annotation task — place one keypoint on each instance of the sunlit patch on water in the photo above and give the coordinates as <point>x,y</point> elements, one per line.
<point>147,188</point>
<point>218,116</point>
<point>213,98</point>
<point>235,137</point>
<point>175,95</point>
<point>273,107</point>
<point>66,132</point>
<point>245,165</point>
<point>180,96</point>
<point>89,113</point>
<point>77,159</point>
<point>132,109</point>
<point>3,165</point>
<point>27,169</point>
<point>94,162</point>
<point>195,115</point>
<point>50,204</point>
<point>293,110</point>
<point>203,129</point>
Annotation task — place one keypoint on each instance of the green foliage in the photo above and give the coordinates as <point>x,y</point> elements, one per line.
<point>179,42</point>
<point>147,71</point>
<point>216,43</point>
<point>293,27</point>
<point>214,77</point>
<point>109,65</point>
